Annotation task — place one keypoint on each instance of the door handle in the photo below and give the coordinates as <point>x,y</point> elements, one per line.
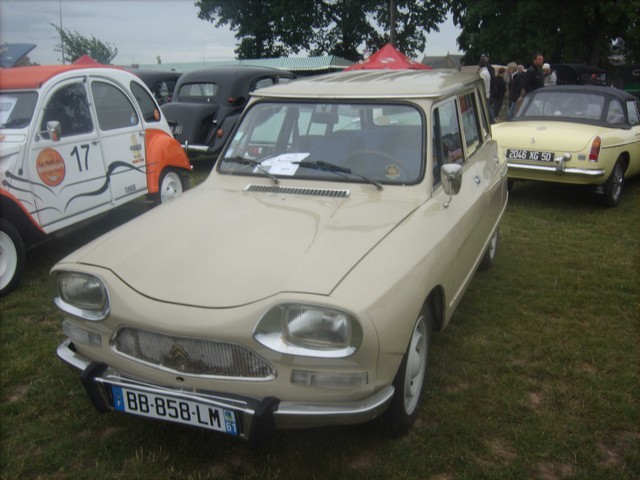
<point>477,179</point>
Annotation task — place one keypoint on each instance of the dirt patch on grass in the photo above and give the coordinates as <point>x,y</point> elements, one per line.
<point>536,399</point>
<point>555,471</point>
<point>363,462</point>
<point>18,393</point>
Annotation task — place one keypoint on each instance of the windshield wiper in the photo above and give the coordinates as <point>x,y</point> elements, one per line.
<point>330,167</point>
<point>254,163</point>
<point>16,122</point>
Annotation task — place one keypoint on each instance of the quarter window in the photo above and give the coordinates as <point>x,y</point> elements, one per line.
<point>447,142</point>
<point>113,107</point>
<point>470,123</point>
<point>632,108</point>
<point>70,107</point>
<point>149,109</point>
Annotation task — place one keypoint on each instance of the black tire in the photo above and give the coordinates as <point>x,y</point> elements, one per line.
<point>510,184</point>
<point>613,187</point>
<point>490,253</point>
<point>410,379</point>
<point>12,257</point>
<point>171,185</point>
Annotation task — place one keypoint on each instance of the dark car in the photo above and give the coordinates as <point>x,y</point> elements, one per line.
<point>207,103</point>
<point>578,74</point>
<point>160,82</point>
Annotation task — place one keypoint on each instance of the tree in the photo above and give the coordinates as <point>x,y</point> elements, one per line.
<point>73,45</point>
<point>572,31</point>
<point>272,28</point>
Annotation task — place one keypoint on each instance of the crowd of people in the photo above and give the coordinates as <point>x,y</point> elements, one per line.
<point>514,82</point>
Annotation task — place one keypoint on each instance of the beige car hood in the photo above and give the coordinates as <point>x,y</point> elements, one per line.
<point>544,136</point>
<point>219,248</point>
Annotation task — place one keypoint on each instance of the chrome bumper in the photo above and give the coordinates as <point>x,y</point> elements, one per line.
<point>259,417</point>
<point>558,168</point>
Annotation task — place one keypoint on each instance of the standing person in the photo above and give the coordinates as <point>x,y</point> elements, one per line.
<point>534,78</point>
<point>550,77</point>
<point>499,89</point>
<point>515,87</point>
<point>483,71</point>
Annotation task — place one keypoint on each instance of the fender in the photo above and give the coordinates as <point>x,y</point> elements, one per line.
<point>5,196</point>
<point>162,151</point>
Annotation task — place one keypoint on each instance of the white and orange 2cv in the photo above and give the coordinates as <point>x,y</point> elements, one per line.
<point>76,141</point>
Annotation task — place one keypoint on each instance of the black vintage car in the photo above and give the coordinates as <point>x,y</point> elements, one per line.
<point>207,103</point>
<point>578,74</point>
<point>160,82</point>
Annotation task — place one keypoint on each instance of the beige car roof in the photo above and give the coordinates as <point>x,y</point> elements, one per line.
<point>374,84</point>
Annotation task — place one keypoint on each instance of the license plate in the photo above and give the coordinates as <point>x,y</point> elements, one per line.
<point>529,155</point>
<point>178,410</point>
<point>176,129</point>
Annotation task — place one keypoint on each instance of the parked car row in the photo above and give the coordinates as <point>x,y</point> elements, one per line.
<point>343,221</point>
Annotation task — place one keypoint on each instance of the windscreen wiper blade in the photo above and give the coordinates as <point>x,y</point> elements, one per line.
<point>331,167</point>
<point>253,163</point>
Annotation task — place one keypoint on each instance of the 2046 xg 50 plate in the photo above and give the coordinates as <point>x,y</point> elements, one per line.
<point>179,410</point>
<point>516,154</point>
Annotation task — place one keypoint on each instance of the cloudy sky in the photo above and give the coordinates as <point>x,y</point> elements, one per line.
<point>141,30</point>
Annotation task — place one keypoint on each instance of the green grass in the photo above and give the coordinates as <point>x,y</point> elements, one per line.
<point>536,376</point>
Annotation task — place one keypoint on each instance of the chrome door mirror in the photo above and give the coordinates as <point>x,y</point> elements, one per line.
<point>451,175</point>
<point>53,129</point>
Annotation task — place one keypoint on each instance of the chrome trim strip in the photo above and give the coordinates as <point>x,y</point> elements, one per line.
<point>553,169</point>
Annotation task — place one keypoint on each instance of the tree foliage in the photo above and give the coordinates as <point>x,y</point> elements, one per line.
<point>571,31</point>
<point>73,45</point>
<point>273,28</point>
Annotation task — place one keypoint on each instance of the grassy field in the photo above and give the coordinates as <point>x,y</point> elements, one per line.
<point>537,375</point>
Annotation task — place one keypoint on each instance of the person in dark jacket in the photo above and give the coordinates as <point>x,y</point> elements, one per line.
<point>534,78</point>
<point>499,88</point>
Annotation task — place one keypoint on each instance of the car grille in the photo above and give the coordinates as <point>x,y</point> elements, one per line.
<point>192,356</point>
<point>316,192</point>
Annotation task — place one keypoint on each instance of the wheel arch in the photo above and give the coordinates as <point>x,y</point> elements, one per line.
<point>163,151</point>
<point>435,300</point>
<point>14,213</point>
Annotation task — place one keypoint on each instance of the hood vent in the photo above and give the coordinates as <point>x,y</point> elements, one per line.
<point>314,192</point>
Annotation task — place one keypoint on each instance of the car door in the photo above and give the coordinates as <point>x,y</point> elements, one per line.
<point>482,151</point>
<point>467,209</point>
<point>65,166</point>
<point>633,111</point>
<point>121,139</point>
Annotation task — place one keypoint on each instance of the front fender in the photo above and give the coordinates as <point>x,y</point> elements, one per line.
<point>162,151</point>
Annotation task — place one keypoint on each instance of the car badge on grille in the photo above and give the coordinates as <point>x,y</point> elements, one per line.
<point>179,357</point>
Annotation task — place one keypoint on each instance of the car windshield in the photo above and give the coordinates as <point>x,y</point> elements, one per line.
<point>584,106</point>
<point>16,109</point>
<point>374,143</point>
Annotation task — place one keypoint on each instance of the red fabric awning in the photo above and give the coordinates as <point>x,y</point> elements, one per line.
<point>388,57</point>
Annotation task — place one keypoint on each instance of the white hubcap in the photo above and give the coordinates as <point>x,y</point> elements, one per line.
<point>416,366</point>
<point>8,259</point>
<point>171,187</point>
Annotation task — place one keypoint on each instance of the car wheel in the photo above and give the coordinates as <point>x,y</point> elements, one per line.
<point>409,382</point>
<point>170,186</point>
<point>612,188</point>
<point>12,257</point>
<point>489,257</point>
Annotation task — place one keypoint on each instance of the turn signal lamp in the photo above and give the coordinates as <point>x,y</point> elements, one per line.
<point>595,150</point>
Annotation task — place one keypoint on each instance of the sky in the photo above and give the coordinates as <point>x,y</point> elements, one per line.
<point>141,30</point>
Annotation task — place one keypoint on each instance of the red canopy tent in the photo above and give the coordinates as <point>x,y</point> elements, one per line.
<point>86,60</point>
<point>388,57</point>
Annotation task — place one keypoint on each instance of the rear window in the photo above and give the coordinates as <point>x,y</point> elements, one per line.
<point>555,104</point>
<point>197,92</point>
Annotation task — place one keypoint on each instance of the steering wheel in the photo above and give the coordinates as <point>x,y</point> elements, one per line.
<point>359,161</point>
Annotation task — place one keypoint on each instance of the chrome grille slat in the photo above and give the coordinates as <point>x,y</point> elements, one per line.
<point>190,356</point>
<point>316,192</point>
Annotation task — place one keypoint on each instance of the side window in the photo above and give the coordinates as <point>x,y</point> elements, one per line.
<point>113,107</point>
<point>149,109</point>
<point>470,123</point>
<point>615,114</point>
<point>447,142</point>
<point>70,107</point>
<point>263,82</point>
<point>482,113</point>
<point>632,108</point>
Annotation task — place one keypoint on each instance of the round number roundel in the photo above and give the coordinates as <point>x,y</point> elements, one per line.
<point>50,167</point>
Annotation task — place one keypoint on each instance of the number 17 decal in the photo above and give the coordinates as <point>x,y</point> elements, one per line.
<point>75,152</point>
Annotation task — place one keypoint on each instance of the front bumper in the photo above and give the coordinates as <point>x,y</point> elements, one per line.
<point>258,418</point>
<point>558,168</point>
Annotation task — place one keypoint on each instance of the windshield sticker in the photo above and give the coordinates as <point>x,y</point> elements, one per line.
<point>283,164</point>
<point>6,107</point>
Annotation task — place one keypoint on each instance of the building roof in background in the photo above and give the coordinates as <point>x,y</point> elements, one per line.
<point>329,63</point>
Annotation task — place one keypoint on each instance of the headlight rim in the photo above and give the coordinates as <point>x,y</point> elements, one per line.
<point>63,302</point>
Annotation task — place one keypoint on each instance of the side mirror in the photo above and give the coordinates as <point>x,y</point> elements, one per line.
<point>53,129</point>
<point>451,176</point>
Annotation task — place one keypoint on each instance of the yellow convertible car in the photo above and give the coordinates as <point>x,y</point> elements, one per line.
<point>575,134</point>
